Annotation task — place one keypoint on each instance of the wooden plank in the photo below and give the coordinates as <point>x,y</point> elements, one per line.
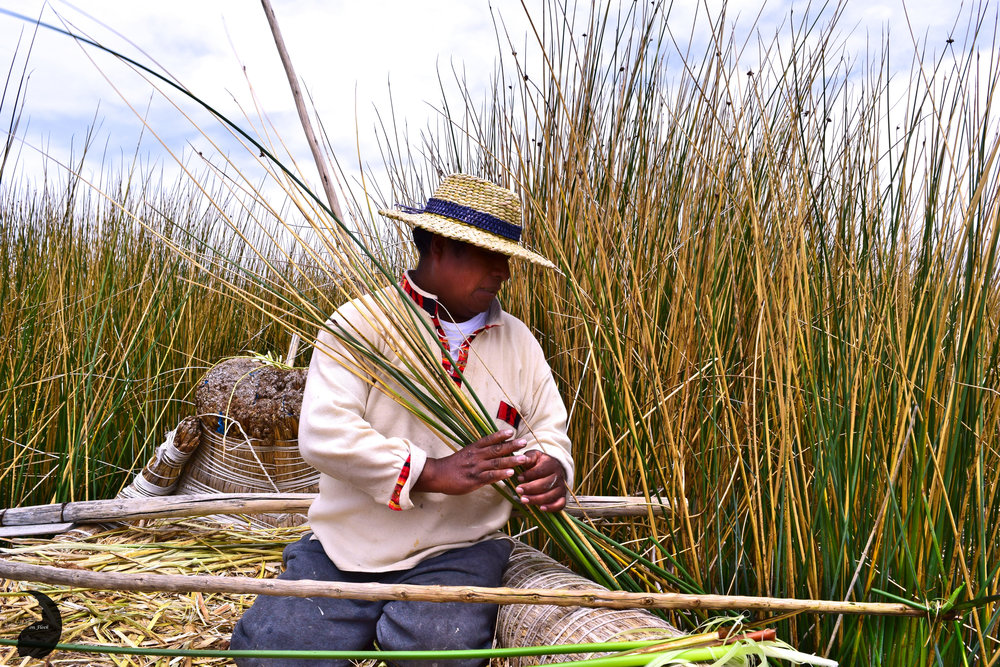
<point>35,529</point>
<point>36,514</point>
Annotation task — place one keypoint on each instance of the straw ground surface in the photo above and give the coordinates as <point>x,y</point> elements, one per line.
<point>154,620</point>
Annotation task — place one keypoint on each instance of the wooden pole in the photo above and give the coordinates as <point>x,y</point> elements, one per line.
<point>300,107</point>
<point>132,509</point>
<point>595,597</point>
<point>16,520</point>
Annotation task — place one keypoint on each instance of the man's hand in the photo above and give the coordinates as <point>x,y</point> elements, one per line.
<point>487,460</point>
<point>543,482</point>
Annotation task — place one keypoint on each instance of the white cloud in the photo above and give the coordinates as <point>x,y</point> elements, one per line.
<point>346,52</point>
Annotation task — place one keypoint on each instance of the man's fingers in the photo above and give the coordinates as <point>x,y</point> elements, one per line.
<point>493,439</point>
<point>555,505</point>
<point>543,482</point>
<point>499,475</point>
<point>492,458</point>
<point>497,444</point>
<point>539,466</point>
<point>547,493</point>
<point>542,487</point>
<point>490,448</point>
<point>549,501</point>
<point>505,462</point>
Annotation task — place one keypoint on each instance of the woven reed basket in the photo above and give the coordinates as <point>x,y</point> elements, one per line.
<point>249,414</point>
<point>539,625</point>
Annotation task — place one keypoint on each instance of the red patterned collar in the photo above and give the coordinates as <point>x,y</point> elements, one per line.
<point>429,303</point>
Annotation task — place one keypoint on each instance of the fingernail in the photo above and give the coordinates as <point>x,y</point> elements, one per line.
<point>521,443</point>
<point>521,459</point>
<point>508,472</point>
<point>524,499</point>
<point>508,434</point>
<point>519,491</point>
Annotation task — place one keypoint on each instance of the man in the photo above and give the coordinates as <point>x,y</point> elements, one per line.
<point>397,504</point>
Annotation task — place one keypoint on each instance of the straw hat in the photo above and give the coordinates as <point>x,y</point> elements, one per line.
<point>479,212</point>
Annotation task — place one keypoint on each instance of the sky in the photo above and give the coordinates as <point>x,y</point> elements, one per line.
<point>349,54</point>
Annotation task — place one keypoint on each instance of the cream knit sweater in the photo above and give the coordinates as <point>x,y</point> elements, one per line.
<point>359,439</point>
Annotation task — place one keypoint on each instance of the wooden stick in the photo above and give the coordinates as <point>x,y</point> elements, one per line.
<point>36,529</point>
<point>300,107</point>
<point>595,597</point>
<point>132,509</point>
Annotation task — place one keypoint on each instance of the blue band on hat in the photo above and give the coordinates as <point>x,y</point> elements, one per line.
<point>469,216</point>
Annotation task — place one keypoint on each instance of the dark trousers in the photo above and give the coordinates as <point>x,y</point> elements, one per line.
<point>319,623</point>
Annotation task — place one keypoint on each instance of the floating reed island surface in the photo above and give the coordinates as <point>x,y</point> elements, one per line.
<point>777,311</point>
<point>137,619</point>
<point>147,627</point>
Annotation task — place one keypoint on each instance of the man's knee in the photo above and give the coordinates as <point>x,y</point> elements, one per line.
<point>408,626</point>
<point>270,625</point>
<point>430,626</point>
<point>285,624</point>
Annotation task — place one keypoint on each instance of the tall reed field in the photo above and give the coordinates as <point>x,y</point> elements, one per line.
<point>777,310</point>
<point>105,330</point>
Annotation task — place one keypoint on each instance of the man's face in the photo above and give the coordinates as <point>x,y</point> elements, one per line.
<point>468,279</point>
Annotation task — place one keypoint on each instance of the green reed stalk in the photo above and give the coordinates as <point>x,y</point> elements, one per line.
<point>680,656</point>
<point>829,244</point>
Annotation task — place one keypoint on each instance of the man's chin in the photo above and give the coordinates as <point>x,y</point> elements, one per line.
<point>485,297</point>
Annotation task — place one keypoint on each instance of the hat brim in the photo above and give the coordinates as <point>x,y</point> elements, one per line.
<point>469,234</point>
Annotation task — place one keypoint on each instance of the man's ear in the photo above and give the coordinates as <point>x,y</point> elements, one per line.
<point>438,246</point>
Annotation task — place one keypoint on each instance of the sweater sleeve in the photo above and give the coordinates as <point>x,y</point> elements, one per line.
<point>335,437</point>
<point>546,417</point>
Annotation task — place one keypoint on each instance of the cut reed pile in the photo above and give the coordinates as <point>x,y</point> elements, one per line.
<point>152,620</point>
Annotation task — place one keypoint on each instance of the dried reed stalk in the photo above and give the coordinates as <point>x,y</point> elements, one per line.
<point>291,473</point>
<point>228,463</point>
<point>164,472</point>
<point>372,591</point>
<point>148,620</point>
<point>300,108</point>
